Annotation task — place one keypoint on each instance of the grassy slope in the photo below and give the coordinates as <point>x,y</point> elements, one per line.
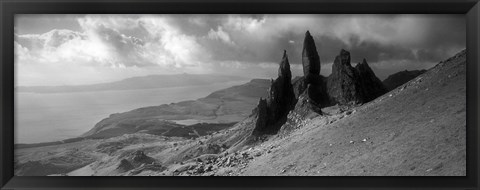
<point>416,129</point>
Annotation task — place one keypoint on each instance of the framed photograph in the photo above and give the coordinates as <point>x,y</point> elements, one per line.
<point>252,94</point>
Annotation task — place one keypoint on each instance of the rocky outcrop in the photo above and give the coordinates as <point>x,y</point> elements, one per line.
<point>310,58</point>
<point>299,85</point>
<point>272,112</point>
<point>349,85</point>
<point>261,120</point>
<point>371,86</point>
<point>343,84</point>
<point>346,85</point>
<point>312,82</point>
<point>124,166</point>
<point>397,79</point>
<point>316,92</point>
<point>140,157</point>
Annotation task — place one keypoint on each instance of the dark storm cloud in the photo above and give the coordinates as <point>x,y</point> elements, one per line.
<point>195,25</point>
<point>35,24</point>
<point>433,38</point>
<point>239,44</point>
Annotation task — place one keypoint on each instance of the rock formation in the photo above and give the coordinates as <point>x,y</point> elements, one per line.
<point>299,85</point>
<point>261,120</point>
<point>124,166</point>
<point>310,58</point>
<point>312,82</point>
<point>343,84</point>
<point>371,86</point>
<point>347,85</point>
<point>272,112</point>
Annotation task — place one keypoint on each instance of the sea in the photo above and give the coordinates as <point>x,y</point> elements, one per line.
<point>47,117</point>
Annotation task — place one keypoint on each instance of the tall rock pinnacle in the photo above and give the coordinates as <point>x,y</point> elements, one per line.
<point>310,58</point>
<point>272,112</point>
<point>311,82</point>
<point>344,57</point>
<point>343,84</point>
<point>284,69</point>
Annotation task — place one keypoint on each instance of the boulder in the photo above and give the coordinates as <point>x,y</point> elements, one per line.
<point>124,166</point>
<point>140,157</point>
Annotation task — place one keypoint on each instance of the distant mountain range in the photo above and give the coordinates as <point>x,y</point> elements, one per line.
<point>219,110</point>
<point>399,78</point>
<point>143,82</point>
<point>229,105</point>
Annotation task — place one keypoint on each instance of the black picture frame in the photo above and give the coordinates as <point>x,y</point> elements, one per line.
<point>8,8</point>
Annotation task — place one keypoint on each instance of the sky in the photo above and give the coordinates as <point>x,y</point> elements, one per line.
<point>57,49</point>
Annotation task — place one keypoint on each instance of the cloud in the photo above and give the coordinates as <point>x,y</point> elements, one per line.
<point>260,37</point>
<point>103,45</point>
<point>109,47</point>
<point>157,42</point>
<point>60,45</point>
<point>219,34</point>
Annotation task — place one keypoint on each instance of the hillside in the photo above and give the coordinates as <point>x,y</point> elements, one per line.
<point>224,106</point>
<point>417,129</point>
<point>143,82</point>
<point>399,78</point>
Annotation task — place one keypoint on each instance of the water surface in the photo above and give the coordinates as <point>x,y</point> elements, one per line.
<point>45,117</point>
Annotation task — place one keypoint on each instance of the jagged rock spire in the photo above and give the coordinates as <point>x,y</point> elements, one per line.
<point>310,58</point>
<point>311,82</point>
<point>364,68</point>
<point>344,57</point>
<point>347,84</point>
<point>272,112</point>
<point>284,69</point>
<point>371,86</point>
<point>343,84</point>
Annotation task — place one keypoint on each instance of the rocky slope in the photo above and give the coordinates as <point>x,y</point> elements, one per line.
<point>399,78</point>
